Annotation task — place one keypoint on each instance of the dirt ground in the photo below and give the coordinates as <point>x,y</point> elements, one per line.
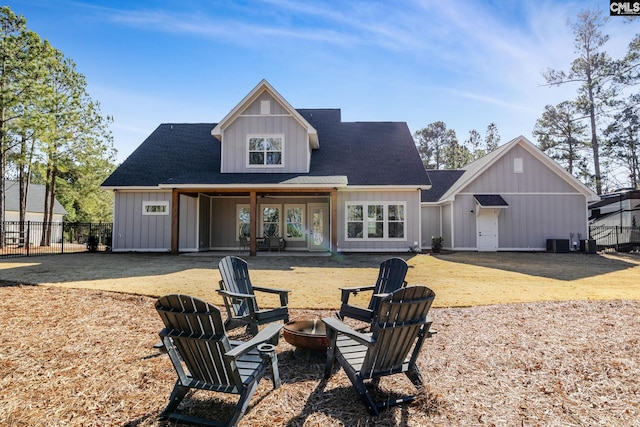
<point>75,357</point>
<point>78,350</point>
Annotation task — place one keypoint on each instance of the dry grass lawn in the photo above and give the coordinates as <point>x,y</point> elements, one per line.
<point>523,340</point>
<point>459,279</point>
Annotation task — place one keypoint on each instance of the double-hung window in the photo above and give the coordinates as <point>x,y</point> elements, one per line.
<point>265,150</point>
<point>375,221</point>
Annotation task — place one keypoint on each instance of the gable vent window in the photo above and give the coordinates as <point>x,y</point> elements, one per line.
<point>265,150</point>
<point>518,165</point>
<point>265,107</point>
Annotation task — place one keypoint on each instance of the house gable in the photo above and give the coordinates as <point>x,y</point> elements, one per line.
<point>517,167</point>
<point>265,134</point>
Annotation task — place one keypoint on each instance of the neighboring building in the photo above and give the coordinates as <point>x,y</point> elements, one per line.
<point>512,199</point>
<point>35,203</point>
<point>34,213</point>
<point>318,183</point>
<point>267,169</point>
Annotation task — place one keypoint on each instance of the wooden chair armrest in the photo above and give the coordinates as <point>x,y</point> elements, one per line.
<point>341,328</point>
<point>284,294</point>
<point>266,335</point>
<point>271,290</point>
<point>345,292</point>
<point>236,295</point>
<point>355,289</point>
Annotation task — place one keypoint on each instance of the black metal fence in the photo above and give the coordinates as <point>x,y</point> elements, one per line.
<point>30,238</point>
<point>622,239</point>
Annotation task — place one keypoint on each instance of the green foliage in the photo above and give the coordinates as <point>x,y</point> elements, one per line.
<point>601,81</point>
<point>563,137</point>
<point>439,147</point>
<point>51,131</point>
<point>436,244</point>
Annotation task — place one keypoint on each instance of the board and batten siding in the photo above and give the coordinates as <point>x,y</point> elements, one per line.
<point>223,221</point>
<point>136,232</point>
<point>188,228</point>
<point>447,226</point>
<point>431,224</point>
<point>412,220</point>
<point>535,178</point>
<point>296,155</point>
<point>542,205</point>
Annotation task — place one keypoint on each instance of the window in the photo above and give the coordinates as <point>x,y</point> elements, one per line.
<point>243,219</point>
<point>270,220</point>
<point>377,221</point>
<point>294,222</point>
<point>155,208</point>
<point>265,150</point>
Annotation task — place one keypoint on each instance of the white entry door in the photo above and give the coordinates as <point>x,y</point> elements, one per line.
<point>318,238</point>
<point>487,227</point>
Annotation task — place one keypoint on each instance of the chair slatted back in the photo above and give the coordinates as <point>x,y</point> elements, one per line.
<point>199,337</point>
<point>390,277</point>
<point>235,278</point>
<point>399,327</point>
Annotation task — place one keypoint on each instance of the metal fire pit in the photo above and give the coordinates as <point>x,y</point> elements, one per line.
<point>307,334</point>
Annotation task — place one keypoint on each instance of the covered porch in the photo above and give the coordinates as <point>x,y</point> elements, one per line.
<point>244,219</point>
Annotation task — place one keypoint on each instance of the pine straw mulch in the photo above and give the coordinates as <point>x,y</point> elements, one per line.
<point>85,358</point>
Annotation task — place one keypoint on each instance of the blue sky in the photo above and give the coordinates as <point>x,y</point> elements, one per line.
<point>466,63</point>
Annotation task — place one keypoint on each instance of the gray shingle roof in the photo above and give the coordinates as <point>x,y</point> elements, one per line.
<point>367,153</point>
<point>441,181</point>
<point>35,198</point>
<point>490,200</point>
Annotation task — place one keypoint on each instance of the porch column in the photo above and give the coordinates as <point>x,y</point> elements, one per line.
<point>175,220</point>
<point>253,222</point>
<point>334,221</point>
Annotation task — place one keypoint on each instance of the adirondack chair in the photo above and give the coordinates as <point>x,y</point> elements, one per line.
<point>240,300</point>
<point>399,327</point>
<point>390,277</point>
<point>204,357</point>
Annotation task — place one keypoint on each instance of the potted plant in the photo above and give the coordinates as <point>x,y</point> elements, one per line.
<point>92,243</point>
<point>436,244</point>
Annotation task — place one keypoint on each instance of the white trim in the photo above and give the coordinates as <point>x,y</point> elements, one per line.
<point>260,88</point>
<point>477,168</point>
<point>387,187</point>
<point>262,115</point>
<point>385,221</point>
<point>250,136</point>
<point>248,187</point>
